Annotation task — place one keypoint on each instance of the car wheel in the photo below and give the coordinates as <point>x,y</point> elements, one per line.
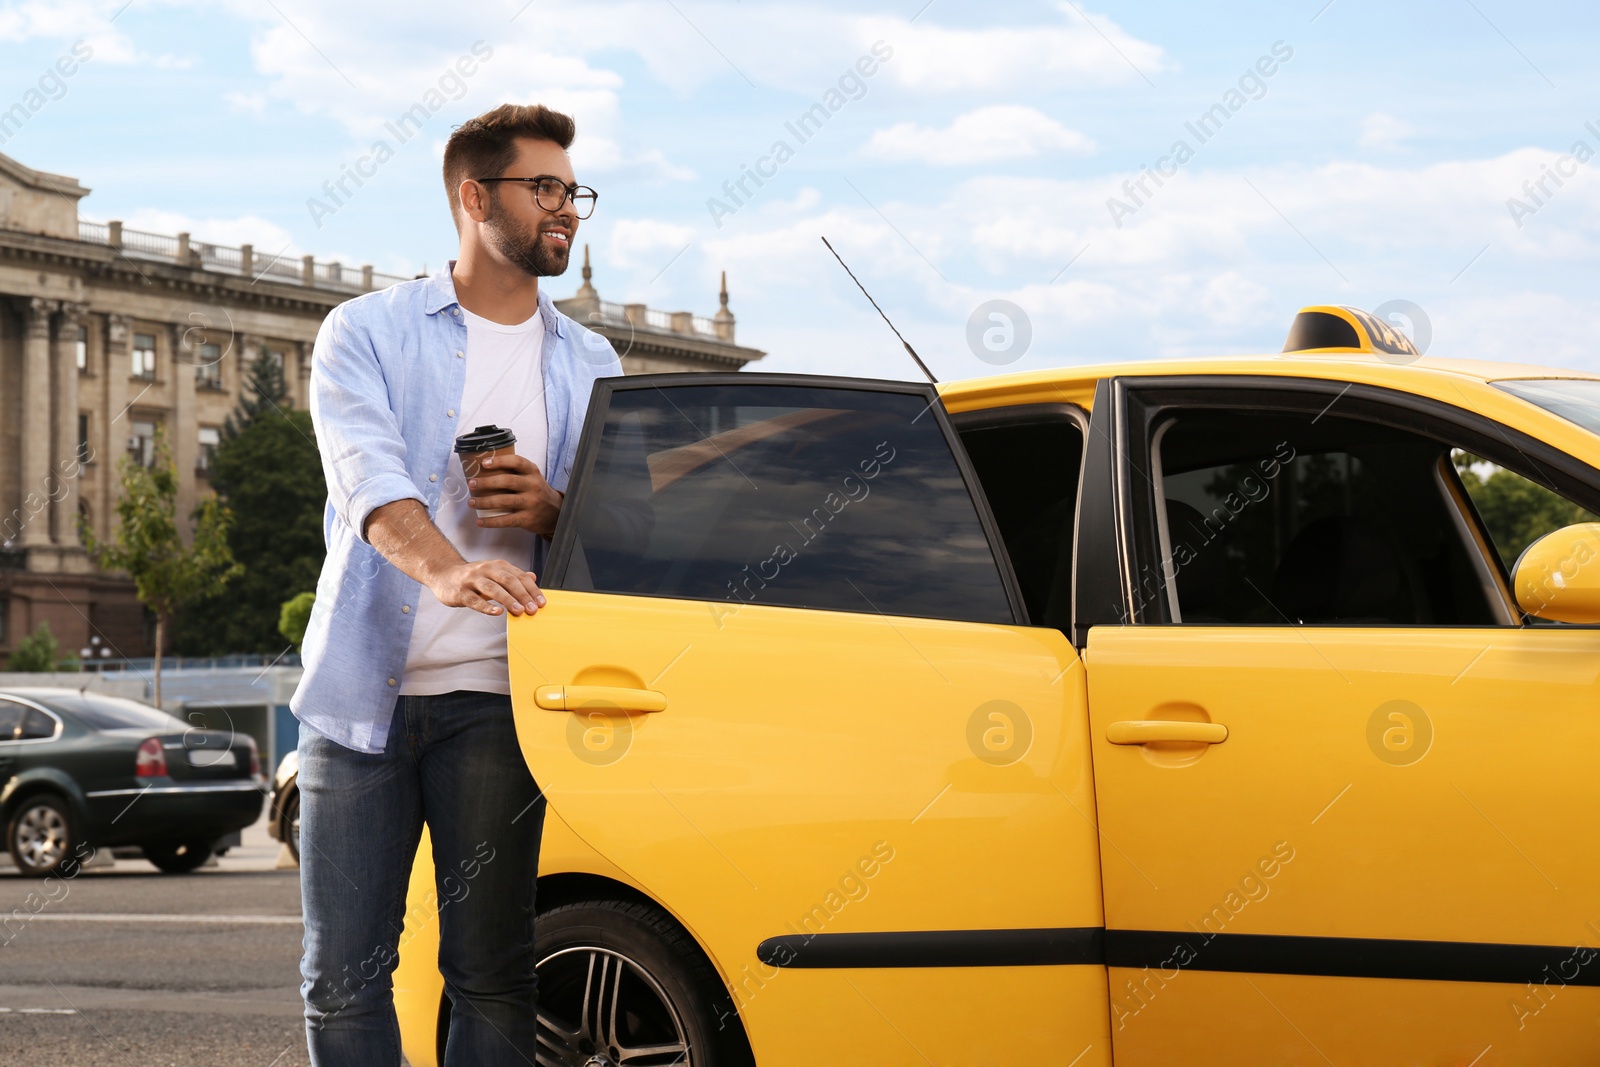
<point>40,836</point>
<point>621,983</point>
<point>291,825</point>
<point>178,858</point>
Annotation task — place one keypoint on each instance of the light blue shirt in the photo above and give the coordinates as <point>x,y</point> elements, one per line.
<point>387,376</point>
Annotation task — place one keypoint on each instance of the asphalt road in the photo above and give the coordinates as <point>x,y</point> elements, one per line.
<point>130,967</point>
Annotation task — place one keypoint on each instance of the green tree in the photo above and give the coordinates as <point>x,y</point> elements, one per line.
<point>149,545</point>
<point>1517,511</point>
<point>39,652</point>
<point>270,474</point>
<point>265,393</point>
<point>295,616</point>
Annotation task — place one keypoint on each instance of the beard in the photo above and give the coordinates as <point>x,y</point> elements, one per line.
<point>522,245</point>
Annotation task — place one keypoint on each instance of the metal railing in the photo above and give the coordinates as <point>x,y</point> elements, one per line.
<point>670,321</point>
<point>242,261</point>
<point>146,664</point>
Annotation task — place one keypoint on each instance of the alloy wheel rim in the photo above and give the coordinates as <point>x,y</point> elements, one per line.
<point>42,836</point>
<point>600,1008</point>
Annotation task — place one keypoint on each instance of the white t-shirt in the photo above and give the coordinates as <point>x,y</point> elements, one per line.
<point>459,648</point>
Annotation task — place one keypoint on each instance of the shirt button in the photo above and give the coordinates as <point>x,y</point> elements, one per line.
<point>433,477</point>
<point>393,682</point>
<point>405,609</point>
<point>451,412</point>
<point>458,354</point>
<point>457,312</point>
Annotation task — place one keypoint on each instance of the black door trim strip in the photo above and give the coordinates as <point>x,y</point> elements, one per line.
<point>1352,957</point>
<point>937,948</point>
<point>1174,950</point>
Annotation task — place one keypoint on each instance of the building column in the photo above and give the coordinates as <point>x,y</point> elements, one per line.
<point>112,435</point>
<point>66,470</point>
<point>182,436</point>
<point>35,450</point>
<point>302,365</point>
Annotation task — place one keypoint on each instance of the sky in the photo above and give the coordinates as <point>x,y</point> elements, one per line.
<point>1127,180</point>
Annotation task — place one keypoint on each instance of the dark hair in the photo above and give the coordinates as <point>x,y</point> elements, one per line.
<point>485,146</point>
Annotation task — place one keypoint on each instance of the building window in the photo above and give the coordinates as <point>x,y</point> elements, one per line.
<point>142,444</point>
<point>275,356</point>
<point>210,438</point>
<point>84,453</point>
<point>82,349</point>
<point>208,370</point>
<point>144,356</point>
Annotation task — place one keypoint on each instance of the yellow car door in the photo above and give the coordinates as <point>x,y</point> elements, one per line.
<point>784,682</point>
<point>1350,787</point>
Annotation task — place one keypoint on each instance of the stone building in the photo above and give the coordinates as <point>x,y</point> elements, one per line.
<point>107,333</point>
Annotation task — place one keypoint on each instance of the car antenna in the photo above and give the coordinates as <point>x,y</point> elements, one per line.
<point>912,352</point>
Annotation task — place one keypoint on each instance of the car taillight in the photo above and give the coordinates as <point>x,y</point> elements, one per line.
<point>151,762</point>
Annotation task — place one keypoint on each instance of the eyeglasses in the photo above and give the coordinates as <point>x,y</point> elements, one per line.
<point>552,193</point>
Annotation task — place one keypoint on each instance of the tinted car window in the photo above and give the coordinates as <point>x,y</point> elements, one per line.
<point>1029,472</point>
<point>36,724</point>
<point>1274,518</point>
<point>11,716</point>
<point>848,500</point>
<point>110,713</point>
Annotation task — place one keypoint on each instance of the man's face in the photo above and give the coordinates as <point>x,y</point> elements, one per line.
<point>538,241</point>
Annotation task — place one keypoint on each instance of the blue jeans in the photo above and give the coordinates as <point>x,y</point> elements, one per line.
<point>453,762</point>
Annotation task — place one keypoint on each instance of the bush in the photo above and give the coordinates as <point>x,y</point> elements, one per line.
<point>294,616</point>
<point>39,652</point>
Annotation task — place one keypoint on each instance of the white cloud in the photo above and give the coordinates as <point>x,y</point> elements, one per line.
<point>646,244</point>
<point>74,21</point>
<point>1383,132</point>
<point>986,135</point>
<point>1206,267</point>
<point>268,237</point>
<point>931,57</point>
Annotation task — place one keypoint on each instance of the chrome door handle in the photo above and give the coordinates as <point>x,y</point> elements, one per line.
<point>579,697</point>
<point>1143,731</point>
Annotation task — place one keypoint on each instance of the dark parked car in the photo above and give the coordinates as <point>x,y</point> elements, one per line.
<point>283,817</point>
<point>82,771</point>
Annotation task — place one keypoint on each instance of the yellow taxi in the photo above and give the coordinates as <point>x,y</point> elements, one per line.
<point>1232,711</point>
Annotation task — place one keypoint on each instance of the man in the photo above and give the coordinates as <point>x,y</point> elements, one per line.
<point>404,706</point>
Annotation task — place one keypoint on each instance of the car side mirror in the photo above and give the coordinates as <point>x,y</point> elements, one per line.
<point>1558,576</point>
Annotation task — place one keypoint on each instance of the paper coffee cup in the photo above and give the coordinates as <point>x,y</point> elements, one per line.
<point>479,445</point>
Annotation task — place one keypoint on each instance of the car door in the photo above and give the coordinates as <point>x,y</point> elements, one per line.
<point>1349,786</point>
<point>785,683</point>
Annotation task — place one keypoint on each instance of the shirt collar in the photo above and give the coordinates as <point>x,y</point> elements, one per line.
<point>442,295</point>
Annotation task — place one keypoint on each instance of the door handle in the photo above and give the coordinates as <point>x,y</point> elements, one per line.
<point>578,697</point>
<point>1143,731</point>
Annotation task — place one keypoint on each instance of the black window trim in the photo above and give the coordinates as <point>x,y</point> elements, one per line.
<point>1132,406</point>
<point>565,534</point>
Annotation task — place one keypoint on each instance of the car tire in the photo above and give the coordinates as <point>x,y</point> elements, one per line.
<point>668,994</point>
<point>290,830</point>
<point>40,836</point>
<point>179,857</point>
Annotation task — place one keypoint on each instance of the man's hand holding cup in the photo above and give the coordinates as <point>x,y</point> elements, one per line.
<point>506,489</point>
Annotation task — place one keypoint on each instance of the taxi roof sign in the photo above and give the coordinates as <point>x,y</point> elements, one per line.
<point>1335,328</point>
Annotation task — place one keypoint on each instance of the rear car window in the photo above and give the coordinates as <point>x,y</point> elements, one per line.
<point>1277,518</point>
<point>109,713</point>
<point>1575,399</point>
<point>798,496</point>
